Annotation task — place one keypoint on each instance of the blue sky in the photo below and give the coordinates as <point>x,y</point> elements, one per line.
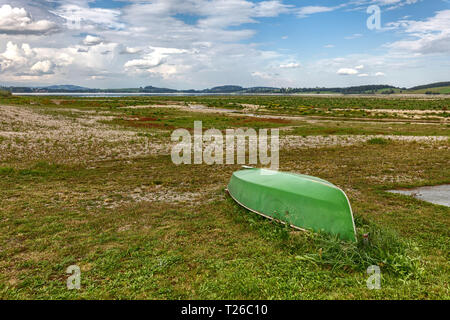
<point>204,43</point>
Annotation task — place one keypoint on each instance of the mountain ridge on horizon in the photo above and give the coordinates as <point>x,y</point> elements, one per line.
<point>69,88</point>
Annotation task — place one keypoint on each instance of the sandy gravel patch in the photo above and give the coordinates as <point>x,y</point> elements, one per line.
<point>295,142</point>
<point>27,133</point>
<point>408,114</point>
<point>149,106</point>
<point>191,108</point>
<point>153,194</point>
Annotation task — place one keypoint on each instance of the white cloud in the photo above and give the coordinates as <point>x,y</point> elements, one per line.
<point>156,58</point>
<point>264,75</point>
<point>347,71</point>
<point>308,10</point>
<point>430,36</point>
<point>147,62</point>
<point>379,74</point>
<point>271,8</point>
<point>14,56</point>
<point>85,18</point>
<point>200,43</point>
<point>18,61</point>
<point>42,67</point>
<point>361,5</point>
<point>130,50</point>
<point>92,40</point>
<point>18,21</point>
<point>354,36</point>
<point>23,60</point>
<point>291,65</point>
<point>395,4</point>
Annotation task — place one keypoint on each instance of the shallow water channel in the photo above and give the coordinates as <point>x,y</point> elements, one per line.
<point>434,194</point>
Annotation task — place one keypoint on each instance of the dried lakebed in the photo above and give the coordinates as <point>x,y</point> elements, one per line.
<point>31,133</point>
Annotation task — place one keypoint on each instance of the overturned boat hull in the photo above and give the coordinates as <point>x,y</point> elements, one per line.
<point>302,201</point>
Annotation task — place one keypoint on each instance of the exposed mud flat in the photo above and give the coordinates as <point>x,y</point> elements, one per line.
<point>434,194</point>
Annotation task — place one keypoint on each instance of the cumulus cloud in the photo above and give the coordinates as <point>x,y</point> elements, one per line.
<point>23,60</point>
<point>429,36</point>
<point>147,62</point>
<point>194,43</point>
<point>92,40</point>
<point>42,67</point>
<point>347,71</point>
<point>308,10</point>
<point>264,75</point>
<point>130,50</point>
<point>15,57</point>
<point>81,16</point>
<point>222,14</point>
<point>157,61</point>
<point>291,65</point>
<point>15,20</point>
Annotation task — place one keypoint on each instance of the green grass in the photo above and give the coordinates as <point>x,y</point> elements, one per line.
<point>210,250</point>
<point>440,90</point>
<point>5,94</point>
<point>202,245</point>
<point>378,141</point>
<point>406,128</point>
<point>279,104</point>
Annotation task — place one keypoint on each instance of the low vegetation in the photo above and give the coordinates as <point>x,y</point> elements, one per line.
<point>5,93</point>
<point>90,182</point>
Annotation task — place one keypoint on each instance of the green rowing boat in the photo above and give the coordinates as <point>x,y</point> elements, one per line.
<point>302,201</point>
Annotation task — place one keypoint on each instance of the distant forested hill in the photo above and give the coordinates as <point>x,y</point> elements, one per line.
<point>434,88</point>
<point>432,85</point>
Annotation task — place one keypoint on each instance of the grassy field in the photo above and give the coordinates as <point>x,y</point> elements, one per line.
<point>440,90</point>
<point>90,182</point>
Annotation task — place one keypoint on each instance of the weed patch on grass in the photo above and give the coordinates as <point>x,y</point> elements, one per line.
<point>385,249</point>
<point>377,141</point>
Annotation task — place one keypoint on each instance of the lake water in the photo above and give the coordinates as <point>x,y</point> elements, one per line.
<point>435,194</point>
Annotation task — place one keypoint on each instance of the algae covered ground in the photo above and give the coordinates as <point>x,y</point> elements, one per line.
<point>90,182</point>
